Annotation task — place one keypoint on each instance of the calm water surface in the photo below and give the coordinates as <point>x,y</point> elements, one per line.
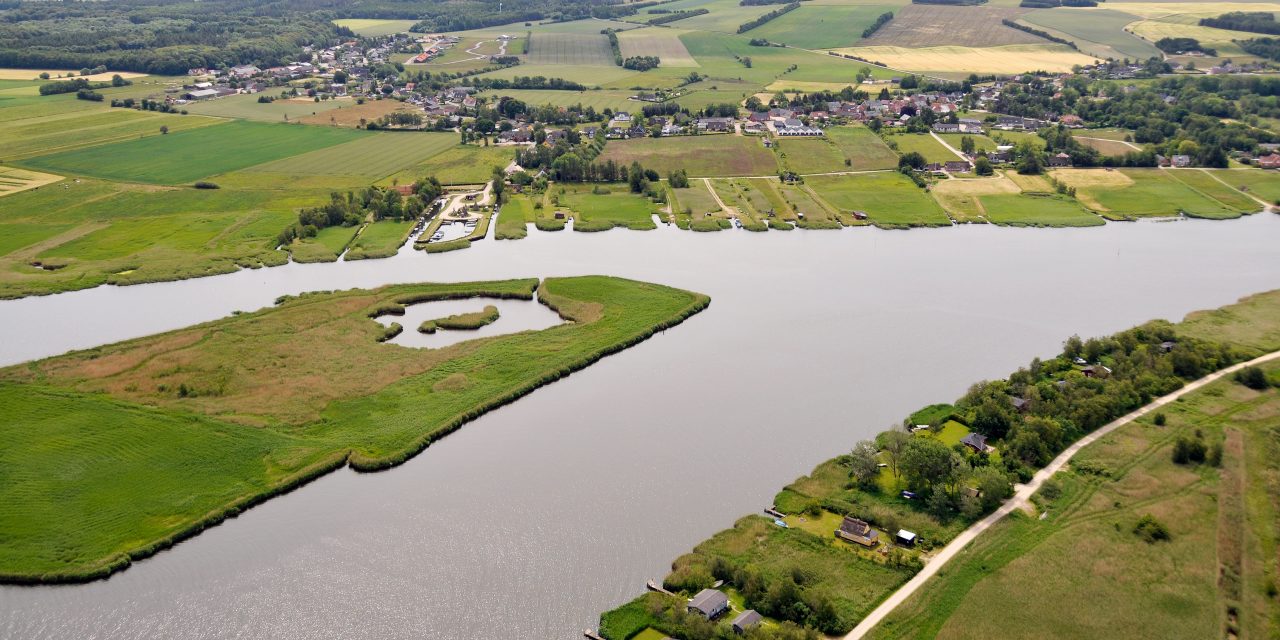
<point>528,522</point>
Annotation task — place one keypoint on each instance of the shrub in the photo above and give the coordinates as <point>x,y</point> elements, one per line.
<point>1160,419</point>
<point>206,185</point>
<point>1253,377</point>
<point>1150,530</point>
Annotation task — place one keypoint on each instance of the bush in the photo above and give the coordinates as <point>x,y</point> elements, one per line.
<point>1150,530</point>
<point>1189,450</point>
<point>1253,377</point>
<point>206,185</point>
<point>1160,419</point>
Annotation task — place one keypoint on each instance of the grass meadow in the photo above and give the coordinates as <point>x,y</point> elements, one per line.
<point>171,433</point>
<point>380,239</point>
<point>514,218</point>
<point>569,49</point>
<point>1263,184</point>
<point>369,28</point>
<point>247,107</point>
<point>656,41</point>
<point>460,164</point>
<point>890,199</point>
<point>821,27</point>
<point>603,207</point>
<point>709,155</point>
<point>924,144</point>
<point>1131,193</point>
<point>193,154</point>
<point>617,100</point>
<point>42,135</point>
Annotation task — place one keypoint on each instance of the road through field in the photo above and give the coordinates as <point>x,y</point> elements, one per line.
<point>1022,496</point>
<point>948,146</point>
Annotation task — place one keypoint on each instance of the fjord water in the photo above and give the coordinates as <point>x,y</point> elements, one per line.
<point>529,521</point>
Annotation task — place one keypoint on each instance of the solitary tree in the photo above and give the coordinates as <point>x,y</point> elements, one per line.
<point>892,442</point>
<point>863,463</point>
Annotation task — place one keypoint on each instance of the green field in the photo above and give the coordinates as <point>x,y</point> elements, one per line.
<point>709,155</point>
<point>890,199</point>
<point>372,156</point>
<point>162,450</point>
<point>326,246</point>
<point>380,239</point>
<point>569,49</point>
<point>1129,193</point>
<point>1263,184</point>
<point>62,131</point>
<point>194,154</point>
<point>821,27</point>
<point>617,100</point>
<point>810,155</point>
<point>662,42</point>
<point>247,107</point>
<point>591,75</point>
<point>924,144</point>
<point>863,147</point>
<point>1084,556</point>
<point>613,206</point>
<point>1037,211</point>
<point>1098,32</point>
<point>462,164</point>
<point>1205,184</point>
<point>697,199</point>
<point>514,218</point>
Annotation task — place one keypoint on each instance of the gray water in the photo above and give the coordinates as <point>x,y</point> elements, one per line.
<point>513,316</point>
<point>531,520</point>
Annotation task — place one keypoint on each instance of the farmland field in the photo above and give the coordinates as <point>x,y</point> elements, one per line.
<point>923,144</point>
<point>380,239</point>
<point>372,156</point>
<point>656,41</point>
<point>247,107</point>
<point>918,25</point>
<point>1104,146</point>
<point>1127,193</point>
<point>890,199</point>
<point>1263,184</point>
<point>810,155</point>
<point>13,180</point>
<point>725,15</point>
<point>587,74</point>
<point>42,135</point>
<point>462,164</point>
<point>708,155</point>
<point>194,154</point>
<point>1037,211</point>
<point>863,147</point>
<point>348,113</point>
<point>373,28</point>
<point>1206,185</point>
<point>697,199</point>
<point>822,27</point>
<point>326,246</point>
<point>1187,27</point>
<point>618,100</point>
<point>569,50</point>
<point>1099,32</point>
<point>964,60</point>
<point>514,218</point>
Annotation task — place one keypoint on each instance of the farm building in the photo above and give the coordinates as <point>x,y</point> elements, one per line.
<point>906,538</point>
<point>709,603</point>
<point>855,530</point>
<point>1270,161</point>
<point>957,166</point>
<point>715,124</point>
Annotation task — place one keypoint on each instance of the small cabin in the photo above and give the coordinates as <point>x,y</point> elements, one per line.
<point>857,531</point>
<point>709,603</point>
<point>905,538</point>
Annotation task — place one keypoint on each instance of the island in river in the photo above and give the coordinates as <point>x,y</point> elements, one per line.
<point>116,452</point>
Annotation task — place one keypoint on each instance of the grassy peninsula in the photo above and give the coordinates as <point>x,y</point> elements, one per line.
<point>1175,512</point>
<point>159,437</point>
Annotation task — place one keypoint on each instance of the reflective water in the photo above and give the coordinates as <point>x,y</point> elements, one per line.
<point>528,522</point>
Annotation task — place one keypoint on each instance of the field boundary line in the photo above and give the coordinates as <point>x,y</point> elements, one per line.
<point>1022,496</point>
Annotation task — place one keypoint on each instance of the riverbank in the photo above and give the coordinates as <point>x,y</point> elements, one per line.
<point>174,433</point>
<point>1039,410</point>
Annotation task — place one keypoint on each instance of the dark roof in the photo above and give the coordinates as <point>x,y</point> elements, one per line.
<point>975,440</point>
<point>747,618</point>
<point>856,527</point>
<point>708,601</point>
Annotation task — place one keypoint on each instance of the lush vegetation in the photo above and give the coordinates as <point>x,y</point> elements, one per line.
<point>776,13</point>
<point>462,321</point>
<point>1252,21</point>
<point>162,453</point>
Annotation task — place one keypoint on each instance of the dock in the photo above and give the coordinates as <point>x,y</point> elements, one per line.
<point>591,634</point>
<point>653,585</point>
<point>775,513</point>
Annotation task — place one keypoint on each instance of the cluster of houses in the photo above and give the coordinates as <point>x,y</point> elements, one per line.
<point>713,603</point>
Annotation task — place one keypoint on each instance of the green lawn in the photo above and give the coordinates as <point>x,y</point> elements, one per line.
<point>708,155</point>
<point>889,199</point>
<point>1263,184</point>
<point>326,246</point>
<point>615,206</point>
<point>262,402</point>
<point>1204,183</point>
<point>1099,32</point>
<point>514,219</point>
<point>1130,193</point>
<point>62,131</point>
<point>190,155</point>
<point>821,27</point>
<point>462,164</point>
<point>863,147</point>
<point>810,155</point>
<point>697,199</point>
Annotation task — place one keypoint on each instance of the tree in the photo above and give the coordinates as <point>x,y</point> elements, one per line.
<point>864,464</point>
<point>982,166</point>
<point>992,485</point>
<point>893,442</point>
<point>339,77</point>
<point>1254,378</point>
<point>499,184</point>
<point>164,129</point>
<point>678,179</point>
<point>911,159</point>
<point>635,178</point>
<point>967,144</point>
<point>1029,163</point>
<point>926,462</point>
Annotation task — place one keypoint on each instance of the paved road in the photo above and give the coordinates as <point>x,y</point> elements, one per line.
<point>1022,496</point>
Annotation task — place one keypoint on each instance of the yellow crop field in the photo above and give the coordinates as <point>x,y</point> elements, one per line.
<point>1006,59</point>
<point>14,180</point>
<point>1200,9</point>
<point>373,27</point>
<point>32,74</point>
<point>1185,26</point>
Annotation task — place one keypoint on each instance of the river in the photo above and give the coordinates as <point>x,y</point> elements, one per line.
<point>531,520</point>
